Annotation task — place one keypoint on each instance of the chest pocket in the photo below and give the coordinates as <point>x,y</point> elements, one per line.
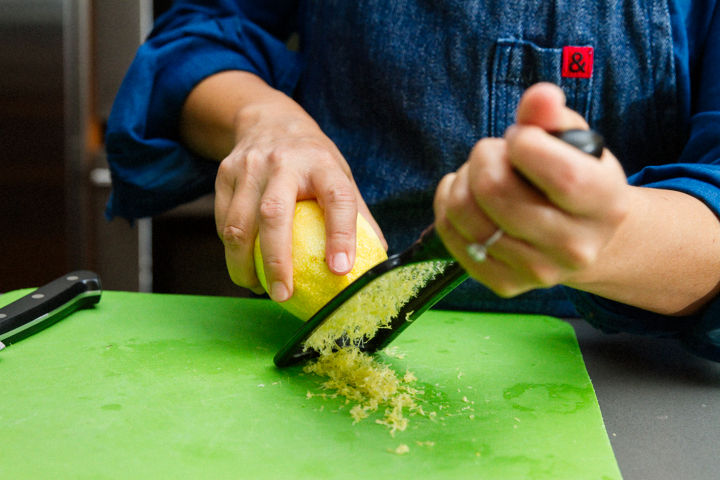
<point>516,66</point>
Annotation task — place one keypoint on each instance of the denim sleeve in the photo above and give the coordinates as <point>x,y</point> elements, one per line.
<point>698,174</point>
<point>151,171</point>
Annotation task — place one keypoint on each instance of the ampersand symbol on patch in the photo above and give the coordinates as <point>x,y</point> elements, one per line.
<point>576,63</point>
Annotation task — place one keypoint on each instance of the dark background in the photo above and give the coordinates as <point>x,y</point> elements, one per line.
<point>51,217</point>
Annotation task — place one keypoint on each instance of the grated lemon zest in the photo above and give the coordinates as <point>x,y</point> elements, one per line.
<point>402,449</point>
<point>357,376</point>
<point>374,306</point>
<point>368,384</point>
<point>426,444</point>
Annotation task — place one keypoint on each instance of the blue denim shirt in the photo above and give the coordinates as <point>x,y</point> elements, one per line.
<point>405,88</point>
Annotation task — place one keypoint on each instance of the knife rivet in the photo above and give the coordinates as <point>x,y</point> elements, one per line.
<point>2,315</point>
<point>72,278</point>
<point>38,295</point>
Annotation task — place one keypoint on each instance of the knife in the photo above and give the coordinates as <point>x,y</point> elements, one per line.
<point>47,305</point>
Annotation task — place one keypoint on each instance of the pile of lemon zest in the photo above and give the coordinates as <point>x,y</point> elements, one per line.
<point>369,385</point>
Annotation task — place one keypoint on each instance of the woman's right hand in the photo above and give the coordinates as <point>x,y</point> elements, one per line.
<point>279,156</point>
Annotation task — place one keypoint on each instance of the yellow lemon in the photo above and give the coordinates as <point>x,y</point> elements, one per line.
<point>313,282</point>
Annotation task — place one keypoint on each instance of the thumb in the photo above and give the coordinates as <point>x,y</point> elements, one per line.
<point>543,105</point>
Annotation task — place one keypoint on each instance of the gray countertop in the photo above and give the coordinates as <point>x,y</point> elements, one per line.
<point>661,405</point>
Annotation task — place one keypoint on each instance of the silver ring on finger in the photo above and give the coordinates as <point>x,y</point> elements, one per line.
<point>478,251</point>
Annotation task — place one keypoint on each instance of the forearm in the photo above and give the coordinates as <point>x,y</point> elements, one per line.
<point>213,113</point>
<point>664,258</point>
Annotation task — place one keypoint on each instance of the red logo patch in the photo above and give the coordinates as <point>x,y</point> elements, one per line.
<point>577,62</point>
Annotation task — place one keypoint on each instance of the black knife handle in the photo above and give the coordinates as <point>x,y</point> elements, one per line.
<point>48,304</point>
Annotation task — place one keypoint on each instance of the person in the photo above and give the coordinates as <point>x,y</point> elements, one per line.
<point>414,112</point>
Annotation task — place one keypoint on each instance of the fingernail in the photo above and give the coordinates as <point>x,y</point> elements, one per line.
<point>279,292</point>
<point>341,263</point>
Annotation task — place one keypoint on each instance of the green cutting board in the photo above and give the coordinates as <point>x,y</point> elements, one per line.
<point>173,387</point>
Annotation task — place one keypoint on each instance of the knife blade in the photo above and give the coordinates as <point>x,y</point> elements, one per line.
<point>47,305</point>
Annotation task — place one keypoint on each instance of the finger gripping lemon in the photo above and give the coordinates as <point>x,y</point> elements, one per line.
<point>313,283</point>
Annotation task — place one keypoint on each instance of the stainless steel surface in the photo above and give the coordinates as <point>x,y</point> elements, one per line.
<point>109,33</point>
<point>120,27</point>
<point>77,61</point>
<point>145,257</point>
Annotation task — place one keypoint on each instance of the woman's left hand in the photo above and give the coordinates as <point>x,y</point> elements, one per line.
<point>558,208</point>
